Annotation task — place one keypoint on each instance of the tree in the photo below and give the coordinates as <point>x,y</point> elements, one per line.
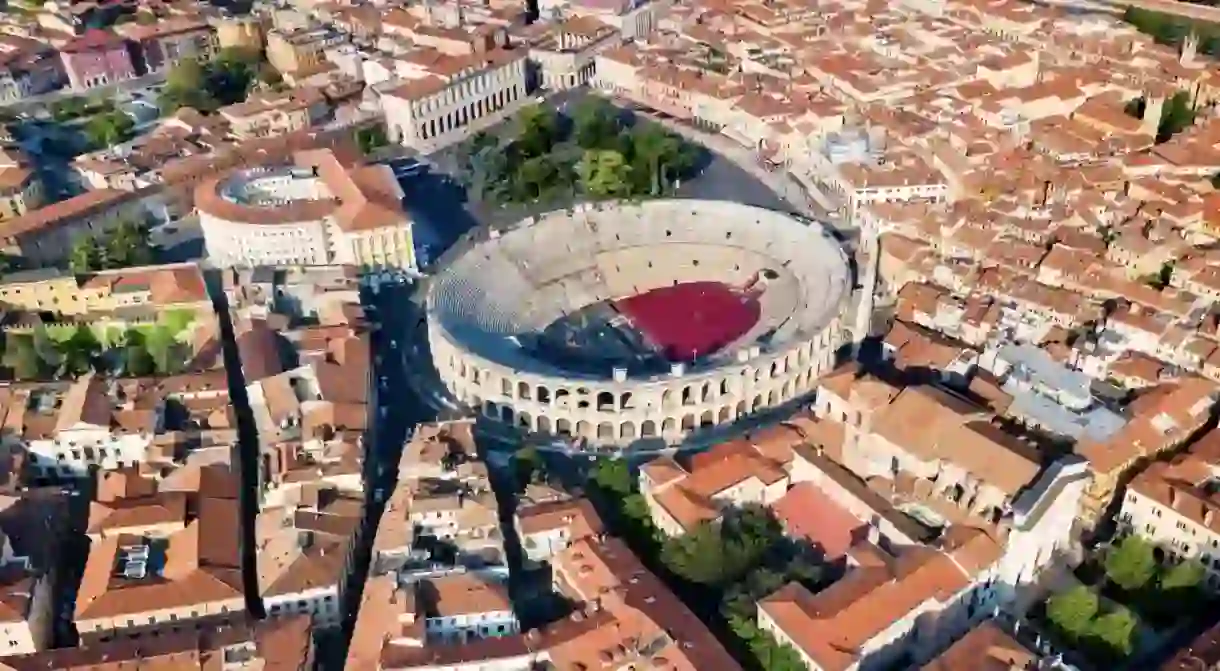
<point>85,256</point>
<point>371,138</point>
<point>538,131</point>
<point>658,156</point>
<point>80,352</point>
<point>1115,630</point>
<point>186,85</point>
<point>1073,610</point>
<point>137,362</point>
<point>614,477</point>
<point>1131,564</point>
<point>528,466</point>
<point>127,245</point>
<point>231,74</point>
<point>1184,577</point>
<point>163,349</point>
<point>604,173</point>
<point>1177,116</point>
<point>535,177</point>
<point>21,356</point>
<point>595,123</point>
<point>106,130</point>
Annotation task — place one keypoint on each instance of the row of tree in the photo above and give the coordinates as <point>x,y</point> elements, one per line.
<point>596,152</point>
<point>721,569</point>
<point>1173,30</point>
<point>134,352</point>
<point>224,80</point>
<point>124,246</point>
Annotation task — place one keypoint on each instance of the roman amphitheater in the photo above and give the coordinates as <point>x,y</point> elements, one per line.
<point>636,325</point>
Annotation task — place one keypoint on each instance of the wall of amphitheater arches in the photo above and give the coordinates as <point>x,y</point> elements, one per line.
<point>616,413</point>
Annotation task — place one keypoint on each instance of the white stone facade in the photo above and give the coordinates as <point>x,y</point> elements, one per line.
<point>541,270</point>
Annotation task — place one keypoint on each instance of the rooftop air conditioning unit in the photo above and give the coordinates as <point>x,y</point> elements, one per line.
<point>135,570</point>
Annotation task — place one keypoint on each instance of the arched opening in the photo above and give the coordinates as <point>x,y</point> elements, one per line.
<point>492,410</point>
<point>584,428</point>
<point>688,422</point>
<point>624,401</point>
<point>772,398</point>
<point>561,398</point>
<point>774,369</point>
<point>523,391</point>
<point>605,401</point>
<point>667,399</point>
<point>475,375</point>
<point>705,394</point>
<point>670,425</point>
<point>724,387</point>
<point>785,391</point>
<point>688,398</point>
<point>741,408</point>
<point>506,414</point>
<point>648,429</point>
<point>563,427</point>
<point>544,424</point>
<point>525,421</point>
<point>462,370</point>
<point>506,387</point>
<point>707,419</point>
<point>605,431</point>
<point>626,430</point>
<point>758,401</point>
<point>544,395</point>
<point>725,415</point>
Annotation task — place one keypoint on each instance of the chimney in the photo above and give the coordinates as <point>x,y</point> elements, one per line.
<point>1173,498</point>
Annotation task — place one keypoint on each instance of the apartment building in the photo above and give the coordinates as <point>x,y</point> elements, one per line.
<point>1174,504</point>
<point>27,68</point>
<point>566,53</point>
<point>45,235</point>
<point>546,529</point>
<point>302,51</point>
<point>459,608</point>
<point>168,287</point>
<point>439,99</point>
<point>169,41</point>
<point>305,553</point>
<point>145,581</point>
<point>242,645</point>
<point>33,529</point>
<point>20,187</point>
<point>264,114</point>
<point>97,58</point>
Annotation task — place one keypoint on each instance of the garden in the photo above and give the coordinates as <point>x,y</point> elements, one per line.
<point>57,351</point>
<point>1126,595</point>
<point>598,152</point>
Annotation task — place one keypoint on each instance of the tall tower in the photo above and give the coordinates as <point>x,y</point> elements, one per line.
<point>1190,49</point>
<point>1154,105</point>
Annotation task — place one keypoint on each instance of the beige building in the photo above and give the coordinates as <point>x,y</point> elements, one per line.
<point>20,188</point>
<point>300,52</point>
<point>169,287</point>
<point>315,211</point>
<point>267,114</point>
<point>44,236</point>
<point>566,54</point>
<point>241,32</point>
<point>1174,504</point>
<point>453,96</point>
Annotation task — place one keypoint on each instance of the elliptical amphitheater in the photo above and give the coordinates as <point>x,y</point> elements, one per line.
<point>637,324</point>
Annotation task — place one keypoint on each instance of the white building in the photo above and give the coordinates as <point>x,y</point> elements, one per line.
<point>462,607</point>
<point>315,212</point>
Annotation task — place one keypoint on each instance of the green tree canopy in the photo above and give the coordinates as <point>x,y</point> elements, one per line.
<point>127,245</point>
<point>595,123</point>
<point>1186,576</point>
<point>21,356</point>
<point>604,173</point>
<point>1131,564</point>
<point>80,352</point>
<point>538,131</point>
<point>614,476</point>
<point>1115,630</point>
<point>1072,611</point>
<point>109,129</point>
<point>528,466</point>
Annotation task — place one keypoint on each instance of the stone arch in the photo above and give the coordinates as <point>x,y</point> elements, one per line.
<point>708,418</point>
<point>705,393</point>
<point>561,396</point>
<point>725,415</point>
<point>758,401</point>
<point>525,421</point>
<point>604,399</point>
<point>785,392</point>
<point>605,431</point>
<point>742,410</point>
<point>506,387</point>
<point>475,375</point>
<point>688,395</point>
<point>543,395</point>
<point>524,392</point>
<point>626,430</point>
<point>724,387</point>
<point>563,426</point>
<point>506,414</point>
<point>774,370</point>
<point>667,399</point>
<point>772,398</point>
<point>624,400</point>
<point>462,370</point>
<point>688,422</point>
<point>584,428</point>
<point>491,410</point>
<point>670,425</point>
<point>544,424</point>
<point>648,429</point>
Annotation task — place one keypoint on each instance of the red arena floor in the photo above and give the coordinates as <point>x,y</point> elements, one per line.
<point>690,320</point>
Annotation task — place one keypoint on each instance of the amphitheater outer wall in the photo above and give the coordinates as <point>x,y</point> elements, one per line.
<point>616,413</point>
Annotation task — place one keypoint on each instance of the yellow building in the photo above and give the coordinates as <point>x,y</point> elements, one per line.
<point>20,188</point>
<point>177,286</point>
<point>238,32</point>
